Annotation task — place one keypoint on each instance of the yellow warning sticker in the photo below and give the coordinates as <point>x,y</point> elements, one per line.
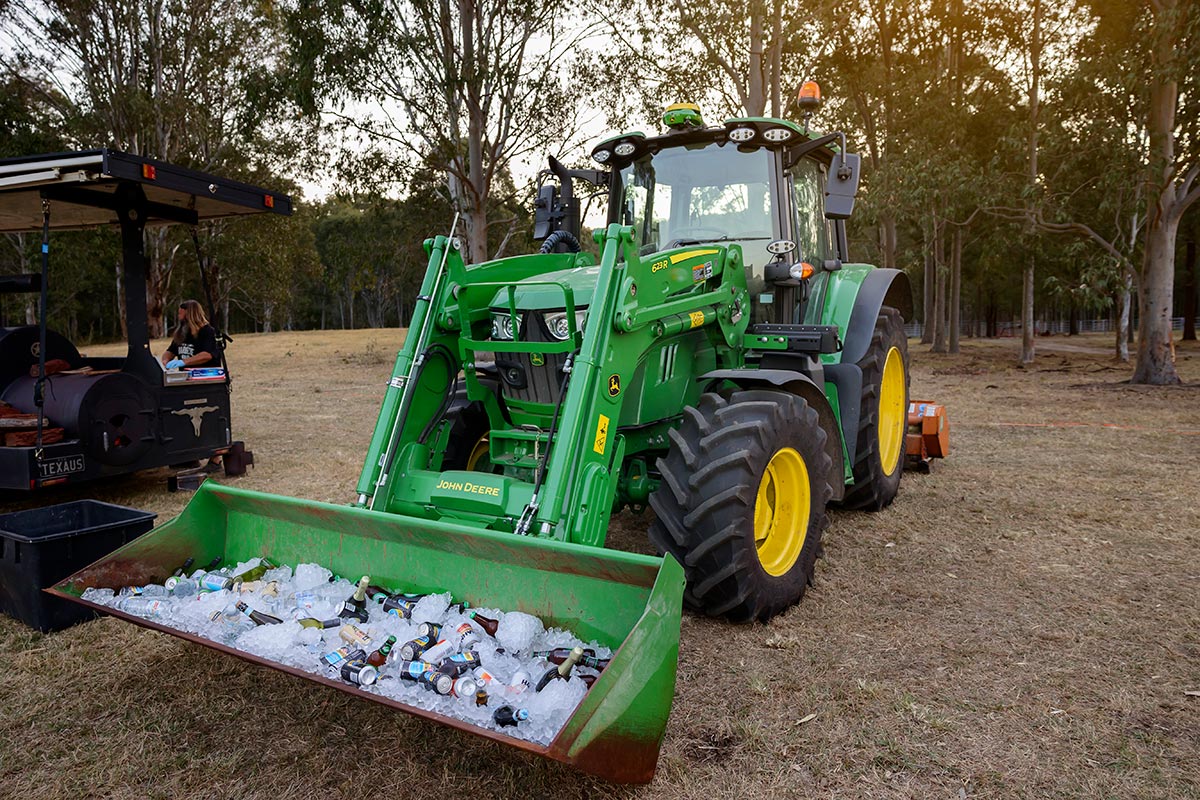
<point>601,434</point>
<point>675,259</point>
<point>697,318</point>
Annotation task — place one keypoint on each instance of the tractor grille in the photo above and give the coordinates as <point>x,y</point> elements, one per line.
<point>523,379</point>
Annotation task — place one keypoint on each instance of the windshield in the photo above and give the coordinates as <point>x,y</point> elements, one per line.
<point>713,193</point>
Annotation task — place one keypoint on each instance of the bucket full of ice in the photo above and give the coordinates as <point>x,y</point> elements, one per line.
<point>515,598</point>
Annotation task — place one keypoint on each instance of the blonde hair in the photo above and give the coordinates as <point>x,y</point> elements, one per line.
<point>193,320</point>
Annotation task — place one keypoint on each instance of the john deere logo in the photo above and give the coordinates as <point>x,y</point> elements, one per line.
<point>614,385</point>
<point>537,359</point>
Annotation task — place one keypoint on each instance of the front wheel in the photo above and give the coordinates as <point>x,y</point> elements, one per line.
<point>879,455</point>
<point>742,502</point>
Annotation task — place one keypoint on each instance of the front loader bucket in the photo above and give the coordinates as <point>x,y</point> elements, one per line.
<point>629,602</point>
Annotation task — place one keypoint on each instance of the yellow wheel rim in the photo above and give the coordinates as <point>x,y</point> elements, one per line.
<point>893,415</point>
<point>478,453</point>
<point>781,512</point>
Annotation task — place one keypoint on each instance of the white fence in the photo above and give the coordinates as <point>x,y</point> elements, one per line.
<point>1058,326</point>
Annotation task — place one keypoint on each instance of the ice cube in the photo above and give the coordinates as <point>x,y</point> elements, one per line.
<point>517,631</point>
<point>311,576</point>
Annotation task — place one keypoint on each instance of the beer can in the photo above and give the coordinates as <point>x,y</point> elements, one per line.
<point>359,672</point>
<point>437,681</point>
<point>215,582</point>
<point>430,629</point>
<point>464,687</point>
<point>438,652</point>
<point>460,663</point>
<point>413,670</point>
<point>415,648</point>
<point>484,677</point>
<point>519,682</point>
<point>400,606</point>
<point>345,653</point>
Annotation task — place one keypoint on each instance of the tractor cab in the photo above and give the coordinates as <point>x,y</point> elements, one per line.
<point>759,184</point>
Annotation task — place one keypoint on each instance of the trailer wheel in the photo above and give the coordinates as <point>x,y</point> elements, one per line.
<point>742,502</point>
<point>879,458</point>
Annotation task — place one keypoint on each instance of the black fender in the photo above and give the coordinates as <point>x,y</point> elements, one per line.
<point>882,287</point>
<point>799,384</point>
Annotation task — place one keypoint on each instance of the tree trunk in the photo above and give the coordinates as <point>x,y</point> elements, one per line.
<point>1124,304</point>
<point>956,288</point>
<point>1155,345</point>
<point>1035,75</point>
<point>939,293</point>
<point>1189,289</point>
<point>1027,346</point>
<point>927,295</point>
<point>887,239</point>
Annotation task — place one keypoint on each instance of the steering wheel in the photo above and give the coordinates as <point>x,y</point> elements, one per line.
<point>679,241</point>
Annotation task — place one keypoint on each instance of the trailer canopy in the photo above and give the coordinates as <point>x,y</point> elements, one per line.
<point>83,186</point>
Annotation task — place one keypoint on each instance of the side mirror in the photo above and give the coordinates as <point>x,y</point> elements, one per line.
<point>842,185</point>
<point>544,211</point>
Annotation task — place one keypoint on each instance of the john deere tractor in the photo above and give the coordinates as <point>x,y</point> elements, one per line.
<point>722,361</point>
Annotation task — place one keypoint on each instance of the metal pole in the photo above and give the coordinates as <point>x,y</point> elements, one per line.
<point>39,389</point>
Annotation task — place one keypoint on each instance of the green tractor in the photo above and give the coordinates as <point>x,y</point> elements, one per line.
<point>721,361</point>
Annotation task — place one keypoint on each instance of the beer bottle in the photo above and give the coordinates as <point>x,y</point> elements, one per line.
<point>355,606</point>
<point>559,654</point>
<point>183,570</point>
<point>258,617</point>
<point>487,623</point>
<point>507,716</point>
<point>562,671</point>
<point>325,624</point>
<point>352,634</point>
<point>481,698</point>
<point>380,656</point>
<point>377,594</point>
<point>592,662</point>
<point>459,607</point>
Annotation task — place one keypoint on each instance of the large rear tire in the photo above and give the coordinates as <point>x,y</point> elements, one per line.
<point>879,458</point>
<point>742,502</point>
<point>467,443</point>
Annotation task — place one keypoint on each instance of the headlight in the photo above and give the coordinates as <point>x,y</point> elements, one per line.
<point>740,135</point>
<point>556,323</point>
<point>502,326</point>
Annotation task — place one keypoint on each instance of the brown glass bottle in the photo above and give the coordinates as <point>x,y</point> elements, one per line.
<point>562,671</point>
<point>380,656</point>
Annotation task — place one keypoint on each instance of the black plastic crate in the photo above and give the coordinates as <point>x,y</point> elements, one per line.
<point>41,546</point>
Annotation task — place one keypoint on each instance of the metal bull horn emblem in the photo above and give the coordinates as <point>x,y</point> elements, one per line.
<point>196,415</point>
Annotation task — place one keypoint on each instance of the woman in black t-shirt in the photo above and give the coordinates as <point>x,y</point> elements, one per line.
<point>195,341</point>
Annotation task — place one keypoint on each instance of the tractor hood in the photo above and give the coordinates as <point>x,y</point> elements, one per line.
<point>534,294</point>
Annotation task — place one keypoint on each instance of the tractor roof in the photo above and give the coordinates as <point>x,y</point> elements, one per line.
<point>618,151</point>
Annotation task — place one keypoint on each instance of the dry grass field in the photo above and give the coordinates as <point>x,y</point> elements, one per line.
<point>1024,622</point>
